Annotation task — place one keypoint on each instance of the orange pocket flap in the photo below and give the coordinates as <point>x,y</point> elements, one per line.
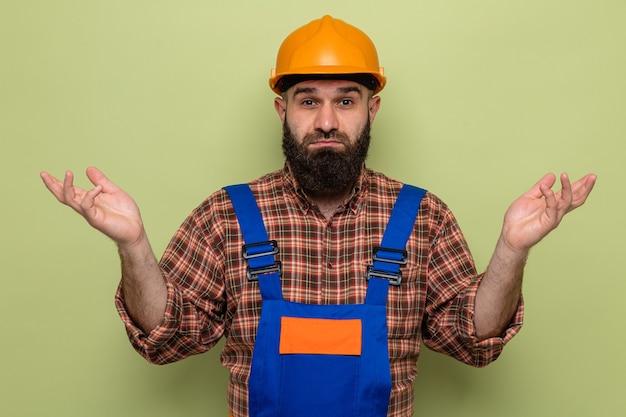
<point>320,336</point>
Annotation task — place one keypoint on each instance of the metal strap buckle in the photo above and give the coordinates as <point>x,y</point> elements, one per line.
<point>248,255</point>
<point>393,278</point>
<point>402,261</point>
<point>253,273</point>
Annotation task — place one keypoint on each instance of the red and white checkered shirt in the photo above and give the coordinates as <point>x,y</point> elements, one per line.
<point>324,262</point>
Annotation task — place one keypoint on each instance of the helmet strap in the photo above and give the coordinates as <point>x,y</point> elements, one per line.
<point>288,81</point>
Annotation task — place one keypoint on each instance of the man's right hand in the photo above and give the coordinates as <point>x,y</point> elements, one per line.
<point>110,210</point>
<point>106,207</point>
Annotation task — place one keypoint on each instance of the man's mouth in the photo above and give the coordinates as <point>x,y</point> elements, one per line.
<point>322,143</point>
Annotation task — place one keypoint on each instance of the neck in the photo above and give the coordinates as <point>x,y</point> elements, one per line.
<point>328,201</point>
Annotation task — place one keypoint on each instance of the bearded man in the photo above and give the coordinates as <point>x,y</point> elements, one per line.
<point>323,276</point>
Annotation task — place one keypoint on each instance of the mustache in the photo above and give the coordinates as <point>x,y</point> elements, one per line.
<point>318,136</point>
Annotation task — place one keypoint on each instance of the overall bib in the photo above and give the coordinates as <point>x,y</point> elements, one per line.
<point>322,360</point>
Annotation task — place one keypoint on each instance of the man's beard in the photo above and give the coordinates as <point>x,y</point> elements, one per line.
<point>326,170</point>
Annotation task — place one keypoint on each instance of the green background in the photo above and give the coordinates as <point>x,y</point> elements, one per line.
<point>170,99</point>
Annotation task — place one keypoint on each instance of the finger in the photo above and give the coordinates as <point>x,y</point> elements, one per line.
<point>70,196</point>
<point>53,185</point>
<point>88,200</point>
<point>562,200</point>
<point>581,189</point>
<point>565,195</point>
<point>550,201</point>
<point>97,177</point>
<point>88,203</point>
<point>546,181</point>
<point>68,186</point>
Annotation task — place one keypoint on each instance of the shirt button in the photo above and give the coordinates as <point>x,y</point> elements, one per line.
<point>329,265</point>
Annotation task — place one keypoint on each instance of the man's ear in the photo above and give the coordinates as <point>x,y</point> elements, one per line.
<point>280,105</point>
<point>374,106</point>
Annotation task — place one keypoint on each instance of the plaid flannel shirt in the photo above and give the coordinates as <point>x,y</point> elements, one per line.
<point>324,262</point>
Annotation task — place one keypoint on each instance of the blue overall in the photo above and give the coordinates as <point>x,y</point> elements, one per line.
<point>322,360</point>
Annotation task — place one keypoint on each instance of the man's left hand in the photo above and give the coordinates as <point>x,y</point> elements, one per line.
<point>540,210</point>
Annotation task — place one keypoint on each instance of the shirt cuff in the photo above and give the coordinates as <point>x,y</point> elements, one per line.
<point>488,349</point>
<point>160,335</point>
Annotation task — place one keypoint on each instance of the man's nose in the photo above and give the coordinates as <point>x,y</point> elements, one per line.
<point>326,120</point>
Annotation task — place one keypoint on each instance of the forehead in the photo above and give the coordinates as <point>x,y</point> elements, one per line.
<point>326,87</point>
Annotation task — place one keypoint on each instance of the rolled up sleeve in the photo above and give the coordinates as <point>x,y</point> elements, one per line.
<point>453,284</point>
<point>194,315</point>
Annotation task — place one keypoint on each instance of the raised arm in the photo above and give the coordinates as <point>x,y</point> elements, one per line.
<point>528,220</point>
<point>113,212</point>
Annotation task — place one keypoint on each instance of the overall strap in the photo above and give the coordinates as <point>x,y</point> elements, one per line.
<point>391,254</point>
<point>258,250</point>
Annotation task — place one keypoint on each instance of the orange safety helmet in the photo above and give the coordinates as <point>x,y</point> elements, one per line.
<point>327,47</point>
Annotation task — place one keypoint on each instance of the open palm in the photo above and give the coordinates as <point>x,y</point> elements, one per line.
<point>106,207</point>
<point>538,211</point>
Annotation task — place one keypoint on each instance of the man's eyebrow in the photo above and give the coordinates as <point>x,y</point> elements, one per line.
<point>346,90</point>
<point>312,90</point>
<point>304,90</point>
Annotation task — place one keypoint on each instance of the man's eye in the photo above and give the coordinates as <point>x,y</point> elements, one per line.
<point>308,102</point>
<point>345,102</point>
